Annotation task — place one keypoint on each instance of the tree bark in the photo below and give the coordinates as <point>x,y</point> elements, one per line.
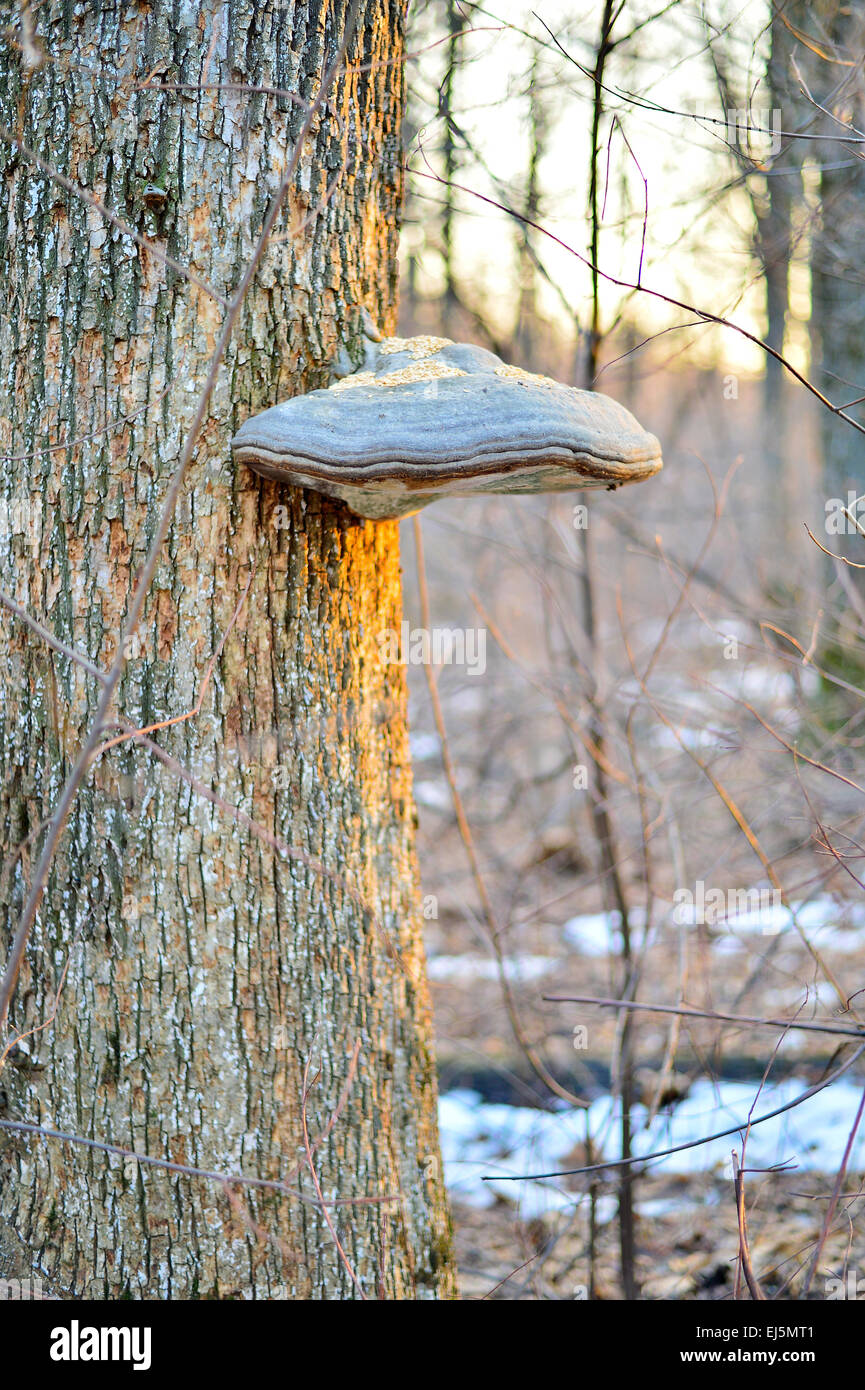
<point>834,67</point>
<point>204,970</point>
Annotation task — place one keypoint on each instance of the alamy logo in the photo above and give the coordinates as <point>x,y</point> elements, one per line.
<point>439,646</point>
<point>21,1290</point>
<point>76,1343</point>
<point>849,1288</point>
<point>705,907</point>
<point>845,518</point>
<point>744,129</point>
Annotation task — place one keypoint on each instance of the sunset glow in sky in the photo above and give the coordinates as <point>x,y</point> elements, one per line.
<point>697,235</point>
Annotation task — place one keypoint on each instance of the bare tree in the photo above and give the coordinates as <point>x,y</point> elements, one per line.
<point>694,690</point>
<point>832,39</point>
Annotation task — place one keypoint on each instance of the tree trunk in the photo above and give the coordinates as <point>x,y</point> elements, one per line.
<point>837,273</point>
<point>451,298</point>
<point>528,327</point>
<point>206,970</point>
<point>774,248</point>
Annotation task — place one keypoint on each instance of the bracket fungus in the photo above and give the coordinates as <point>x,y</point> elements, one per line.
<point>425,418</point>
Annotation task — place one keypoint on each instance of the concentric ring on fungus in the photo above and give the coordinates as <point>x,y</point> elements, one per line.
<point>427,418</point>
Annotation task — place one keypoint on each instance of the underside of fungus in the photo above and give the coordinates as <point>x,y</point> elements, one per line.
<point>427,418</point>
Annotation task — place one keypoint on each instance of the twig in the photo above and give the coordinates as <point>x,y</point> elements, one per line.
<point>528,1050</point>
<point>704,315</point>
<point>237,1179</point>
<point>317,1185</point>
<point>683,1011</point>
<point>692,1143</point>
<point>73,443</point>
<point>836,1193</point>
<point>48,637</point>
<point>144,242</point>
<point>196,708</point>
<point>851,564</point>
<point>744,1252</point>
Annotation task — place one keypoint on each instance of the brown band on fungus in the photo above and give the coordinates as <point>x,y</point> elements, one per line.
<point>427,418</point>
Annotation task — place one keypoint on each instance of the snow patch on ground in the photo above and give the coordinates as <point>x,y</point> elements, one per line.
<point>519,969</point>
<point>830,924</point>
<point>481,1140</point>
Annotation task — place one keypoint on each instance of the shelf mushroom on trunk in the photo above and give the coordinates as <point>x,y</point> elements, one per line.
<point>426,418</point>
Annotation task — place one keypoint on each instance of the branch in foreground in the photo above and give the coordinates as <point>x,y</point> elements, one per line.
<point>692,1143</point>
<point>227,1179</point>
<point>704,315</point>
<point>685,1012</point>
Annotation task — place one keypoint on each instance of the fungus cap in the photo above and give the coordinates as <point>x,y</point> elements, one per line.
<point>428,418</point>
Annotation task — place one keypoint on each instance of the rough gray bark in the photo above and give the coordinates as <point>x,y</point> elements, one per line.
<point>833,64</point>
<point>204,970</point>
